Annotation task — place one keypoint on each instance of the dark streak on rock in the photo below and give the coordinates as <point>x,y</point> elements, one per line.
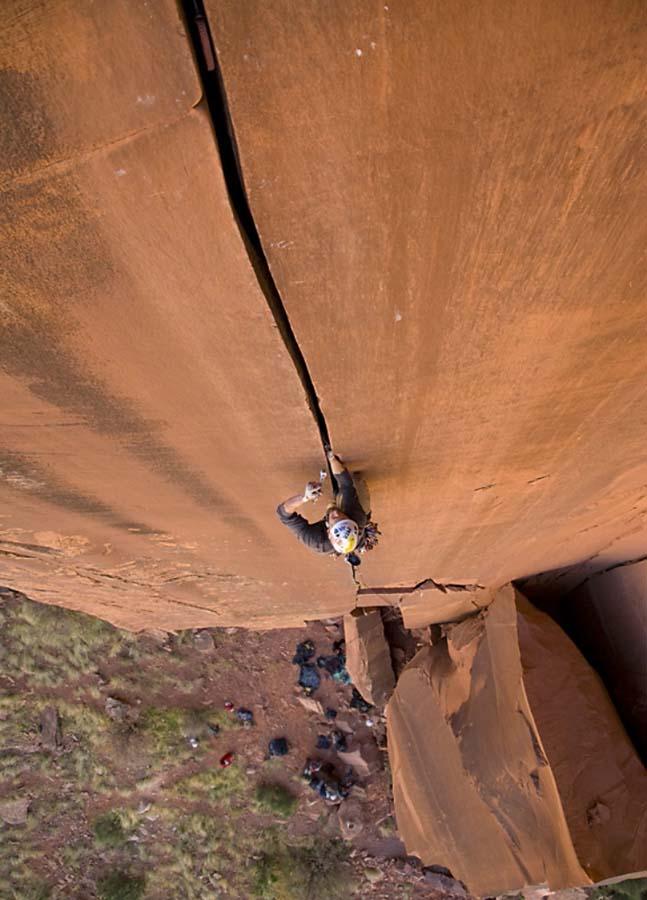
<point>540,756</point>
<point>68,258</point>
<point>24,475</point>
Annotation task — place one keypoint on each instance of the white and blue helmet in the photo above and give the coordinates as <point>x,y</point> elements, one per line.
<point>344,536</point>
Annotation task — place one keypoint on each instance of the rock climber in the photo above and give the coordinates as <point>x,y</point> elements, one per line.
<point>345,527</point>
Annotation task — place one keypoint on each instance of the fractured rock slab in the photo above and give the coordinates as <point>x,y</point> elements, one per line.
<point>434,603</point>
<point>368,659</point>
<point>472,785</point>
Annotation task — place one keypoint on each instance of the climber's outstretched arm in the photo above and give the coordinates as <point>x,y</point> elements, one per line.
<point>293,503</point>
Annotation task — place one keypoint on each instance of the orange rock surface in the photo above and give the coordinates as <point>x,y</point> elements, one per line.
<point>452,197</point>
<point>472,786</point>
<point>151,417</point>
<point>451,201</point>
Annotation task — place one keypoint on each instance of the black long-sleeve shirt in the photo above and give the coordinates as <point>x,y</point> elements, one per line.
<point>315,534</point>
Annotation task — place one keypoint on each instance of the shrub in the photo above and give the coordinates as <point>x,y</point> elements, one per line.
<point>315,871</point>
<point>276,799</point>
<point>108,829</point>
<point>121,885</point>
<point>629,889</point>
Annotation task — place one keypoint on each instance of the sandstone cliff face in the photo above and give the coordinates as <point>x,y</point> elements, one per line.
<point>451,203</point>
<point>151,416</point>
<point>451,198</point>
<point>472,786</point>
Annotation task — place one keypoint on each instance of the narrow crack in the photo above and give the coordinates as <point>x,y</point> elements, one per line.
<point>206,54</point>
<point>426,583</point>
<point>87,153</point>
<point>12,554</point>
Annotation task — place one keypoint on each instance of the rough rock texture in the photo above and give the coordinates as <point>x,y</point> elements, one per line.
<point>433,604</point>
<point>601,780</point>
<point>452,196</point>
<point>473,789</point>
<point>151,416</point>
<point>368,658</point>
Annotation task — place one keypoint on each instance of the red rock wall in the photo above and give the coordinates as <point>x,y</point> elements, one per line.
<point>451,198</point>
<point>151,418</point>
<point>472,787</point>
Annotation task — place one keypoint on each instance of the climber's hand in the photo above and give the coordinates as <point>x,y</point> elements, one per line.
<point>336,464</point>
<point>312,491</point>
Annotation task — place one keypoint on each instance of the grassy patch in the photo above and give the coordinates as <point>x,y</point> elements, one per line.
<point>158,836</point>
<point>318,870</point>
<point>203,848</point>
<point>222,786</point>
<point>37,890</point>
<point>164,727</point>
<point>226,721</point>
<point>167,728</point>
<point>90,734</point>
<point>108,830</point>
<point>121,885</point>
<point>276,799</point>
<point>630,889</point>
<point>49,648</point>
<point>18,878</point>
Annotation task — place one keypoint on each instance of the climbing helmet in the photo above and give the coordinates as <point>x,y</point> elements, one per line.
<point>344,536</point>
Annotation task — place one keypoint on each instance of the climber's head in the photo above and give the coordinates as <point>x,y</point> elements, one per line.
<point>342,531</point>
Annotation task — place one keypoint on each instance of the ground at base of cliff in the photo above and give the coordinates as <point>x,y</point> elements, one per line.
<point>111,784</point>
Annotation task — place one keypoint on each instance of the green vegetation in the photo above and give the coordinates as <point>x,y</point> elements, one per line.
<point>38,890</point>
<point>629,889</point>
<point>276,799</point>
<point>121,885</point>
<point>108,829</point>
<point>164,726</point>
<point>20,883</point>
<point>204,853</point>
<point>125,808</point>
<point>47,647</point>
<point>317,870</point>
<point>217,785</point>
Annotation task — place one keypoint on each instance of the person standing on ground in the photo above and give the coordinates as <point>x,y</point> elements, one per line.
<point>345,527</point>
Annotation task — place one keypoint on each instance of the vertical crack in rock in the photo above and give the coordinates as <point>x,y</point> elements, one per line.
<point>216,97</point>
